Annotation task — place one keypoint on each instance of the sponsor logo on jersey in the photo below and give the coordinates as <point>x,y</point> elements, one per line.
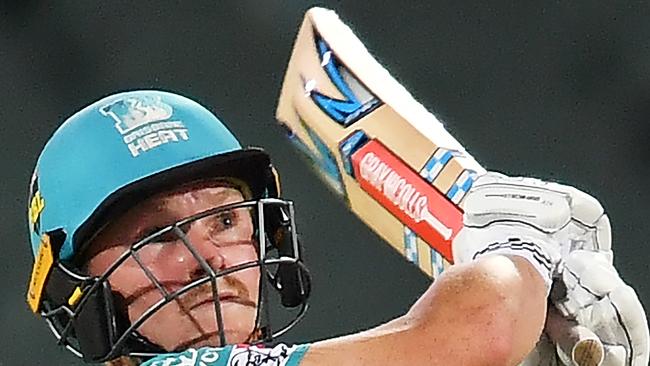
<point>407,195</point>
<point>206,356</point>
<point>259,356</point>
<point>241,355</point>
<point>143,122</point>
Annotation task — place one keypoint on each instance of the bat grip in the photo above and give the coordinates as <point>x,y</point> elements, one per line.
<point>577,342</point>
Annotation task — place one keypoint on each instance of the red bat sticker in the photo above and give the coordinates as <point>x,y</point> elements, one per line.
<point>410,198</point>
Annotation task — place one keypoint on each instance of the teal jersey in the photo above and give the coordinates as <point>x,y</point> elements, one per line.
<point>240,355</point>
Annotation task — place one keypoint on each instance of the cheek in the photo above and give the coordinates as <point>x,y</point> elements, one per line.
<point>101,261</point>
<point>250,277</point>
<point>127,279</point>
<point>239,254</point>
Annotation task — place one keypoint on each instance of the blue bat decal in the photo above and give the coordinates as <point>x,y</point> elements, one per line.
<point>354,105</point>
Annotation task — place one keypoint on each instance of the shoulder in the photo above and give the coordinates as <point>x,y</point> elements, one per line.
<point>240,355</point>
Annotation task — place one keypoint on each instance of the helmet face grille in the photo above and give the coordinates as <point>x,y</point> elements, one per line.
<point>265,227</point>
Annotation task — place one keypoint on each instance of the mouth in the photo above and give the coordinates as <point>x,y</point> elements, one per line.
<point>223,299</point>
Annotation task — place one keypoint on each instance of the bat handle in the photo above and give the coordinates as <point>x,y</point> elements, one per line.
<point>576,341</point>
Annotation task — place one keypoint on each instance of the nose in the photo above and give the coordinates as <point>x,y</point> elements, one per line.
<point>202,251</point>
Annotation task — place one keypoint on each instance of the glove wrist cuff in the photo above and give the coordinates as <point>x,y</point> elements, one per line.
<point>527,249</point>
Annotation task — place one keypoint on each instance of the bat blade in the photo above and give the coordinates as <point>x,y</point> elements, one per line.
<point>392,161</point>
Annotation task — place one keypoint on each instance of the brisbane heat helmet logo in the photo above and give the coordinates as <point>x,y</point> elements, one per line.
<point>143,123</point>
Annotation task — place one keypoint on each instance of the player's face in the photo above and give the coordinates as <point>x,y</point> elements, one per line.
<point>224,240</point>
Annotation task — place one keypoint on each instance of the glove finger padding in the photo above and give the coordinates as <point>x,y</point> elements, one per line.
<point>499,199</point>
<point>615,356</point>
<point>597,298</point>
<point>630,319</point>
<point>552,208</point>
<point>588,213</point>
<point>588,277</point>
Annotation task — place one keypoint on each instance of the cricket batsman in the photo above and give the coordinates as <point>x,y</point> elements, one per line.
<point>159,240</point>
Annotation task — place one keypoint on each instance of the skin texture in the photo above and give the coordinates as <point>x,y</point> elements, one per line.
<point>487,312</point>
<point>223,240</point>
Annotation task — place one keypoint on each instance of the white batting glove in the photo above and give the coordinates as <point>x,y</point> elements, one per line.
<point>540,221</point>
<point>560,230</point>
<point>597,298</point>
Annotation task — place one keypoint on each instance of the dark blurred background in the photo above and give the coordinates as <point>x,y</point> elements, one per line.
<point>559,90</point>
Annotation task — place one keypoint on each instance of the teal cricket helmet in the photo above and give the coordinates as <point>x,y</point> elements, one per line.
<point>124,147</point>
<point>101,162</point>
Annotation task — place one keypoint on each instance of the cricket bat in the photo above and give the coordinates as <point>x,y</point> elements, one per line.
<point>381,151</point>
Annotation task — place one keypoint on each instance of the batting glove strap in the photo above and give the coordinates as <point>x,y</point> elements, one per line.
<point>512,240</point>
<point>529,250</point>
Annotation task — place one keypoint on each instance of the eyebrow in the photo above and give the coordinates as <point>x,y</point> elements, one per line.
<point>222,194</point>
<point>215,196</point>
